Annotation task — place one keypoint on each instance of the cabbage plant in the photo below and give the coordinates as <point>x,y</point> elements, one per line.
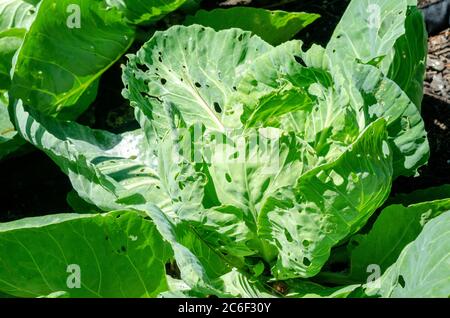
<point>257,160</point>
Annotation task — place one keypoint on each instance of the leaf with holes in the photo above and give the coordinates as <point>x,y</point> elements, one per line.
<point>390,35</point>
<point>259,165</point>
<point>190,73</point>
<point>118,172</point>
<point>48,75</point>
<point>397,226</point>
<point>119,254</point>
<point>422,268</point>
<point>317,123</point>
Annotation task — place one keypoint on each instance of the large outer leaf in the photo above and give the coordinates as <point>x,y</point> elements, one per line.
<point>145,12</point>
<point>189,73</point>
<point>103,167</point>
<point>57,66</point>
<point>119,254</point>
<point>274,27</point>
<point>396,227</point>
<point>117,172</point>
<point>328,203</point>
<point>386,34</point>
<point>423,267</point>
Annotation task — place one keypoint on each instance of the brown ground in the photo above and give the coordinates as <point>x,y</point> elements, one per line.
<point>437,82</point>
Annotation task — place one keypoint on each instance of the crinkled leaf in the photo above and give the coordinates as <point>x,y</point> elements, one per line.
<point>189,73</point>
<point>327,204</point>
<point>342,100</point>
<point>245,171</point>
<point>220,226</point>
<point>385,34</point>
<point>382,97</point>
<point>276,84</point>
<point>374,95</point>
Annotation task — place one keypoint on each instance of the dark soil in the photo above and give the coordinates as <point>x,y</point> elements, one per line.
<point>34,185</point>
